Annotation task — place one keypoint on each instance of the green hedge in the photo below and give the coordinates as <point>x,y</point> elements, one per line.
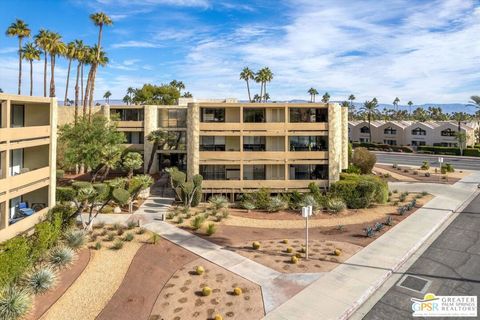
<point>439,150</point>
<point>360,191</point>
<point>471,152</point>
<point>383,147</point>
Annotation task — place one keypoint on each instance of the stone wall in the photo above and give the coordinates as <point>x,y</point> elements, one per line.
<point>344,138</point>
<point>193,139</point>
<point>335,147</point>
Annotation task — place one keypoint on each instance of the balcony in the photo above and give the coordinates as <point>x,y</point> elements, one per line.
<point>307,126</point>
<point>257,184</point>
<point>220,126</point>
<point>20,180</point>
<point>24,133</point>
<point>129,124</point>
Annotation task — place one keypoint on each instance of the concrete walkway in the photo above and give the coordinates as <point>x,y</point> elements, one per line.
<point>337,294</point>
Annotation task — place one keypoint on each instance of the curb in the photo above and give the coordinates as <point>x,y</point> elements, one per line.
<point>372,289</point>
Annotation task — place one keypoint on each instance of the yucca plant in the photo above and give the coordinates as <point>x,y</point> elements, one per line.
<point>75,238</point>
<point>14,302</point>
<point>197,222</point>
<point>41,280</point>
<point>218,202</point>
<point>117,244</point>
<point>61,256</point>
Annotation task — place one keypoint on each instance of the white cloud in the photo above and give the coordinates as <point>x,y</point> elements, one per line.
<point>138,3</point>
<point>136,44</point>
<point>8,50</point>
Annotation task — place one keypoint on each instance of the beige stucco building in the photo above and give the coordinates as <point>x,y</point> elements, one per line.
<point>238,147</point>
<point>412,133</point>
<point>28,135</point>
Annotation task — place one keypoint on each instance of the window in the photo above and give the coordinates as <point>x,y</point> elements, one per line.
<point>419,132</point>
<point>390,142</point>
<point>308,172</point>
<point>448,133</point>
<point>175,141</point>
<point>128,114</point>
<point>172,118</point>
<point>364,140</point>
<point>389,130</point>
<point>308,115</point>
<point>254,172</point>
<point>254,143</point>
<point>445,144</point>
<point>254,115</point>
<point>212,143</point>
<point>220,172</point>
<point>308,143</point>
<point>212,115</point>
<point>365,129</point>
<point>416,143</point>
<point>17,118</point>
<point>134,137</point>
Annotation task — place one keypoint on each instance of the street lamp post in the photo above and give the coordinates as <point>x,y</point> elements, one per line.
<point>306,212</point>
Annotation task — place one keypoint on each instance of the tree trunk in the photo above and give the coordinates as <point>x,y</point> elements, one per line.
<point>369,128</point>
<point>19,66</point>
<point>31,77</point>
<point>81,84</point>
<point>52,75</point>
<point>68,80</point>
<point>45,74</point>
<point>248,89</point>
<point>261,91</point>
<point>92,87</point>
<point>265,91</point>
<point>152,157</point>
<point>76,93</point>
<point>87,91</point>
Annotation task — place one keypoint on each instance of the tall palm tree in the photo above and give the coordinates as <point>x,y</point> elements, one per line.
<point>102,61</point>
<point>410,104</point>
<point>475,101</point>
<point>30,53</point>
<point>70,54</point>
<point>100,19</point>
<point>370,108</point>
<point>268,79</point>
<point>79,56</point>
<point>351,98</point>
<point>313,92</point>
<point>20,30</point>
<point>107,96</point>
<point>55,47</point>
<point>247,75</point>
<point>260,78</point>
<point>395,103</point>
<point>127,99</point>
<point>326,97</point>
<point>41,40</point>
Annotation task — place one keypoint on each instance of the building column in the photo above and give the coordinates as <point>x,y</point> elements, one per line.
<point>344,137</point>
<point>334,142</point>
<point>149,124</point>
<point>193,139</point>
<point>53,152</point>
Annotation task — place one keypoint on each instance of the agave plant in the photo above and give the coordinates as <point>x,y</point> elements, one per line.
<point>61,256</point>
<point>14,302</point>
<point>75,238</point>
<point>41,280</point>
<point>218,202</point>
<point>276,204</point>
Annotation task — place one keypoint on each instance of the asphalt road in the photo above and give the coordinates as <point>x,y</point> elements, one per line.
<point>451,263</point>
<point>466,163</point>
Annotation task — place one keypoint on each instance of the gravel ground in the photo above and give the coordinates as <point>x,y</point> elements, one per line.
<point>89,294</point>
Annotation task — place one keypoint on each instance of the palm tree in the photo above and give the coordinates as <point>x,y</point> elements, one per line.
<point>410,104</point>
<point>395,103</point>
<point>475,101</point>
<point>20,30</point>
<point>79,56</point>
<point>107,96</point>
<point>187,94</point>
<point>100,19</point>
<point>177,84</point>
<point>55,48</point>
<point>247,75</point>
<point>30,53</point>
<point>268,78</point>
<point>158,138</point>
<point>256,98</point>
<point>127,99</point>
<point>41,40</point>
<point>313,92</point>
<point>102,61</point>
<point>326,97</point>
<point>260,78</point>
<point>267,96</point>
<point>370,108</point>
<point>70,54</point>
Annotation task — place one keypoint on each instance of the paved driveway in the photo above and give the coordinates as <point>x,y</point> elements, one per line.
<point>451,263</point>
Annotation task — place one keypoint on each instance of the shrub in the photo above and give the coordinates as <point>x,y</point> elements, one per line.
<point>337,252</point>
<point>218,202</point>
<point>289,250</point>
<point>276,204</point>
<point>180,220</point>
<point>353,169</point>
<point>99,225</point>
<point>378,226</point>
<point>424,193</point>
<point>199,270</point>
<point>336,205</point>
<point>443,170</point>
<point>225,213</point>
<point>395,191</point>
<point>206,291</point>
<point>388,221</point>
<point>42,280</point>
<point>248,205</point>
<point>360,191</point>
<point>107,209</point>
<point>425,165</point>
<point>154,238</point>
<point>218,317</point>
<point>129,237</point>
<point>470,152</point>
<point>402,210</point>
<point>65,194</point>
<point>61,256</point>
<point>46,235</point>
<point>285,241</point>
<point>439,150</point>
<point>294,259</point>
<point>110,236</point>
<point>309,200</point>
<point>237,291</point>
<point>364,160</point>
<point>415,173</point>
<point>262,199</point>
<point>449,167</point>
<point>256,245</point>
<point>131,225</point>
<point>97,246</point>
<point>402,197</point>
<point>141,231</point>
<point>15,302</point>
<point>103,232</point>
<point>427,174</point>
<point>369,232</point>
<point>120,231</point>
<point>211,229</point>
<point>197,222</point>
<point>121,196</point>
<point>75,238</point>
<point>117,244</point>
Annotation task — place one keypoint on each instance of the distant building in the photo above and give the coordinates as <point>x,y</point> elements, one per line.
<point>28,135</point>
<point>412,133</point>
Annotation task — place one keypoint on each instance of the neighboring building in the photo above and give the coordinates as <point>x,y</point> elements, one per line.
<point>410,133</point>
<point>28,135</point>
<point>239,147</point>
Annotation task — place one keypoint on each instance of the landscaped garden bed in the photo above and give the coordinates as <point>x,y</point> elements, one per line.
<point>418,174</point>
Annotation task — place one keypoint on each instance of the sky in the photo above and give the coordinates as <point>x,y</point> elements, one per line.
<point>426,51</point>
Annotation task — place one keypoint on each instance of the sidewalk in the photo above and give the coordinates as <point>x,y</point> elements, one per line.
<point>337,294</point>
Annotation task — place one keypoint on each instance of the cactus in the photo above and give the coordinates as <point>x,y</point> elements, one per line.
<point>369,232</point>
<point>285,241</point>
<point>211,229</point>
<point>237,291</point>
<point>256,245</point>
<point>199,270</point>
<point>337,252</point>
<point>378,227</point>
<point>206,291</point>
<point>388,221</point>
<point>402,210</point>
<point>289,250</point>
<point>294,259</point>
<point>218,317</point>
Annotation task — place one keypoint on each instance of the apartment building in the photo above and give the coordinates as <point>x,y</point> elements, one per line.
<point>238,147</point>
<point>412,133</point>
<point>28,135</point>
